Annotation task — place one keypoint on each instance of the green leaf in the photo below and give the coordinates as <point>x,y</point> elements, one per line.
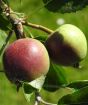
<point>28,91</point>
<point>78,84</point>
<point>37,83</point>
<point>30,87</point>
<point>4,23</point>
<point>60,73</point>
<point>79,97</point>
<point>55,78</point>
<point>3,37</point>
<point>65,6</point>
<point>41,38</point>
<point>6,1</point>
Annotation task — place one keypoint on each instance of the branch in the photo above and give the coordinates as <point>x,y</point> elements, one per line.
<point>40,27</point>
<point>38,99</point>
<point>14,20</point>
<point>18,22</point>
<point>36,102</point>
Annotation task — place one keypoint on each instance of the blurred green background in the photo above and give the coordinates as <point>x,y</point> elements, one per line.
<point>36,13</point>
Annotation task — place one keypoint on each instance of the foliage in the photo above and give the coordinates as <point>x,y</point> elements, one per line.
<point>79,97</point>
<point>64,6</point>
<point>79,88</point>
<point>3,37</point>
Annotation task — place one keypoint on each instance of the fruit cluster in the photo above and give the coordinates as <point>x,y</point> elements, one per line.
<point>27,59</point>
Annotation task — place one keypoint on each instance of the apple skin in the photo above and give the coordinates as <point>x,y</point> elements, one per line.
<point>25,60</point>
<point>67,45</point>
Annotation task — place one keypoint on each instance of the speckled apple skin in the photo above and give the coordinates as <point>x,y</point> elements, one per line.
<point>25,60</point>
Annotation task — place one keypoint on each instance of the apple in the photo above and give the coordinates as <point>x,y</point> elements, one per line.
<point>25,60</point>
<point>67,45</point>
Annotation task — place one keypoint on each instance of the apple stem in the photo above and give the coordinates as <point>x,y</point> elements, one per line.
<point>36,26</point>
<point>38,99</point>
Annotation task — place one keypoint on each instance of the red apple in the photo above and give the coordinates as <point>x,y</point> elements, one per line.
<point>25,60</point>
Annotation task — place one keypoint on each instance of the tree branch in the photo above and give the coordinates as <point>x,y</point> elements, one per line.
<point>40,27</point>
<point>14,20</point>
<point>40,100</point>
<point>18,22</point>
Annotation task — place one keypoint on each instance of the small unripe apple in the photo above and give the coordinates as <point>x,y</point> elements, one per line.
<point>25,60</point>
<point>67,45</point>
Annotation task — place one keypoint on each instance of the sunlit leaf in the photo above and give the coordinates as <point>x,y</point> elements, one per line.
<point>30,87</point>
<point>37,83</point>
<point>28,91</point>
<point>79,97</point>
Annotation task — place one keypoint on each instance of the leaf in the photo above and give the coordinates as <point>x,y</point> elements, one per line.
<point>37,83</point>
<point>78,84</point>
<point>30,87</point>
<point>65,6</point>
<point>79,97</point>
<point>3,37</point>
<point>6,1</point>
<point>55,78</point>
<point>28,91</point>
<point>60,73</point>
<point>41,38</point>
<point>4,23</point>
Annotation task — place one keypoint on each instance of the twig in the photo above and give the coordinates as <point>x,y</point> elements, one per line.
<point>18,22</point>
<point>40,27</point>
<point>40,100</point>
<point>36,102</point>
<point>46,103</point>
<point>14,20</point>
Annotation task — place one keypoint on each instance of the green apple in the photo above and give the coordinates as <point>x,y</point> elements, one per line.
<point>67,45</point>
